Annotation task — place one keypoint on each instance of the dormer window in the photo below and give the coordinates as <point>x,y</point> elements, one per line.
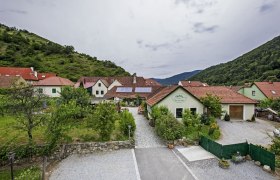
<point>273,92</point>
<point>253,93</point>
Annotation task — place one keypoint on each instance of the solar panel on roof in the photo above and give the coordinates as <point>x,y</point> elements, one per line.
<point>124,89</point>
<point>143,89</point>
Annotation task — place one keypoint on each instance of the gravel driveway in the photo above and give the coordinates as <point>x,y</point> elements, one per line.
<point>240,131</point>
<point>113,165</point>
<point>145,137</point>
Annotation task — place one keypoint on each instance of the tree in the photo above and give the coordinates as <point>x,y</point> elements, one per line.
<point>103,120</point>
<point>213,105</point>
<point>68,49</point>
<point>27,105</point>
<point>127,120</point>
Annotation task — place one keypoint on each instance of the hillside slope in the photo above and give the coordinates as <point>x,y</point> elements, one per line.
<point>25,49</point>
<point>176,78</point>
<point>260,64</point>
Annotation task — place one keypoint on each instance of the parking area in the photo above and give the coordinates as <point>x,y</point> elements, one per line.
<point>113,165</point>
<point>240,131</point>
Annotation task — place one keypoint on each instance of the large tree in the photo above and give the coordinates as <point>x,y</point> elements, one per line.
<point>213,105</point>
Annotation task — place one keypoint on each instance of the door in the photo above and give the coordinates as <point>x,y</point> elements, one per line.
<point>236,112</point>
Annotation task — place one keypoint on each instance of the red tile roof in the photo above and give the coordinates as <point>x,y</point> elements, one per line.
<point>269,89</point>
<point>193,84</point>
<point>227,95</point>
<point>8,81</point>
<point>26,73</point>
<point>152,82</point>
<point>54,81</point>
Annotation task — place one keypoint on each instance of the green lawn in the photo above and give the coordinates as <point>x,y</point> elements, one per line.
<point>79,132</point>
<point>21,173</point>
<point>192,133</point>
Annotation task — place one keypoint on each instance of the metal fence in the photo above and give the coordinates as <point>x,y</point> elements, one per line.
<point>257,153</point>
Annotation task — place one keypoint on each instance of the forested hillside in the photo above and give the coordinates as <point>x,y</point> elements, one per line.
<point>260,64</point>
<point>21,48</point>
<point>176,78</point>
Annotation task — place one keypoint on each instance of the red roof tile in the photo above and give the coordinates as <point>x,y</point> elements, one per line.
<point>161,95</point>
<point>228,96</point>
<point>54,81</point>
<point>25,73</point>
<point>193,84</point>
<point>42,76</point>
<point>152,82</point>
<point>269,89</point>
<point>8,81</point>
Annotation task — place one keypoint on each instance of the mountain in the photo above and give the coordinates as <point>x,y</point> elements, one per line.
<point>176,78</point>
<point>20,48</point>
<point>260,64</point>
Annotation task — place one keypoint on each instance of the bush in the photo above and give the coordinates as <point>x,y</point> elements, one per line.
<point>227,117</point>
<point>32,173</point>
<point>168,128</point>
<point>253,119</point>
<point>204,119</point>
<point>190,119</point>
<point>157,112</point>
<point>126,120</point>
<point>213,127</point>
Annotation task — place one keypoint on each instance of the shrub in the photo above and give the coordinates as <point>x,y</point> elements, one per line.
<point>168,128</point>
<point>126,120</point>
<point>213,105</point>
<point>204,119</point>
<point>32,173</point>
<point>213,127</point>
<point>253,119</point>
<point>157,112</point>
<point>227,117</point>
<point>190,119</point>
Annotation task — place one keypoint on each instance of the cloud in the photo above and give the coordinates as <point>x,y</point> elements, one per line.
<point>266,7</point>
<point>16,11</point>
<point>201,28</point>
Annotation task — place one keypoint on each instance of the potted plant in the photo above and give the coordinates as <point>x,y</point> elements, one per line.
<point>227,117</point>
<point>237,158</point>
<point>224,164</point>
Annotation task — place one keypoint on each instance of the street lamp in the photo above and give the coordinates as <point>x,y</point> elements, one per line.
<point>129,127</point>
<point>11,157</point>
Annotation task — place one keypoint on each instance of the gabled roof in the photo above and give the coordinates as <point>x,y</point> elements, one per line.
<point>42,76</point>
<point>235,88</point>
<point>227,95</point>
<point>152,82</point>
<point>193,84</point>
<point>269,89</point>
<point>54,81</point>
<point>9,81</point>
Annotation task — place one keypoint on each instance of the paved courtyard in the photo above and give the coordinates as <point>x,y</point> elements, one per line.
<point>240,131</point>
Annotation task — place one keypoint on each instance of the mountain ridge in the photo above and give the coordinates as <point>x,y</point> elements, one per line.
<point>176,78</point>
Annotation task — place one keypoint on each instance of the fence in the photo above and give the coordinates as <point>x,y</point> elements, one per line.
<point>226,151</point>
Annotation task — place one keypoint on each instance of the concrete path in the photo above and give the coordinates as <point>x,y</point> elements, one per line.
<point>240,131</point>
<point>154,159</point>
<point>145,136</point>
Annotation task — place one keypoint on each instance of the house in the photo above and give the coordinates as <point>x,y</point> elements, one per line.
<point>28,74</point>
<point>100,86</point>
<point>192,84</point>
<point>52,86</point>
<point>177,98</point>
<point>7,82</point>
<point>261,90</point>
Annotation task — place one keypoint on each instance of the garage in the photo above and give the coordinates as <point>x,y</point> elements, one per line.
<point>236,111</point>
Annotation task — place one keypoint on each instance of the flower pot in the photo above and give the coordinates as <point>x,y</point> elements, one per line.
<point>170,146</point>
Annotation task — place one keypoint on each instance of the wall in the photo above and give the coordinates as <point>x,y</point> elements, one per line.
<point>97,88</point>
<point>181,99</point>
<point>47,90</point>
<point>247,91</point>
<point>248,110</point>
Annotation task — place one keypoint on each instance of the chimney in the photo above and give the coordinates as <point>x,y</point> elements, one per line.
<point>35,74</point>
<point>134,78</point>
<point>32,69</point>
<point>189,82</point>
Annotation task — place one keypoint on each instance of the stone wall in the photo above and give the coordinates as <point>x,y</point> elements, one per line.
<point>89,147</point>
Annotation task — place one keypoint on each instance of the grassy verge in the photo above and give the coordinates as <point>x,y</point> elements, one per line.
<point>193,133</point>
<point>22,173</point>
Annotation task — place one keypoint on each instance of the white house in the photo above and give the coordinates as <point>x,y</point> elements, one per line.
<point>52,86</point>
<point>178,98</point>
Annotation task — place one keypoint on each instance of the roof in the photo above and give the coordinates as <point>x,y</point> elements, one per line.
<point>9,81</point>
<point>227,95</point>
<point>193,84</point>
<point>161,95</point>
<point>54,81</point>
<point>152,82</point>
<point>26,73</point>
<point>235,88</point>
<point>269,89</point>
<point>113,92</point>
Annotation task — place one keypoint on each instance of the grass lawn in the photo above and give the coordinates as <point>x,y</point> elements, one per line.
<point>79,132</point>
<point>192,132</point>
<point>34,173</point>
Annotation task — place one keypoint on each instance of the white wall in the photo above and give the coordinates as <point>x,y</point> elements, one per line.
<point>115,83</point>
<point>181,99</point>
<point>47,90</point>
<point>99,89</point>
<point>248,110</point>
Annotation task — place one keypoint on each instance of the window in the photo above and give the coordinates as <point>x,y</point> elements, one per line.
<point>179,112</point>
<point>193,110</point>
<point>253,93</point>
<point>99,84</point>
<point>97,92</point>
<point>102,92</point>
<point>53,90</point>
<point>40,90</point>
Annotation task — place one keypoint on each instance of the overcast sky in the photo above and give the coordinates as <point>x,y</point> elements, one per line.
<point>154,38</point>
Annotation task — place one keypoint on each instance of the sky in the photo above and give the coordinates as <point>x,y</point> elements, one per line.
<point>153,38</point>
